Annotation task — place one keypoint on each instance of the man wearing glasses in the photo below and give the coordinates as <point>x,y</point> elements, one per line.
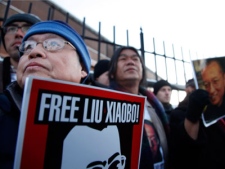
<point>50,49</point>
<point>13,31</point>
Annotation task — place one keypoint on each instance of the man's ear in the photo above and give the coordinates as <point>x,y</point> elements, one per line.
<point>224,77</point>
<point>83,71</point>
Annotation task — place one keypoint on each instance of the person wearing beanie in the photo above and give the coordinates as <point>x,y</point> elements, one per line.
<point>50,49</point>
<point>12,33</point>
<point>163,91</point>
<point>190,86</point>
<point>100,76</point>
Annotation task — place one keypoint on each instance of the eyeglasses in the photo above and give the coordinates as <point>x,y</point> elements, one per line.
<point>13,29</point>
<point>51,45</point>
<point>117,163</point>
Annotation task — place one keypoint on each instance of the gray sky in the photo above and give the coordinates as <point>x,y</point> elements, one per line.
<point>196,25</point>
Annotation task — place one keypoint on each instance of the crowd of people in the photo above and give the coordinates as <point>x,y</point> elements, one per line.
<point>173,137</point>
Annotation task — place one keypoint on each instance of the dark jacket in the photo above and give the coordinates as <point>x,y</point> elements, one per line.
<point>5,77</point>
<point>91,81</point>
<point>10,103</point>
<point>168,108</point>
<point>207,152</point>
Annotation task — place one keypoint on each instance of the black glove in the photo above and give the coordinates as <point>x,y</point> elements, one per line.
<point>197,101</point>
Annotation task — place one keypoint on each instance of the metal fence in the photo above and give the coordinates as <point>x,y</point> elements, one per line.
<point>163,61</point>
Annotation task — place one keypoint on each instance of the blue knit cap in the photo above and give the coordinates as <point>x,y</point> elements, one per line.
<point>64,30</point>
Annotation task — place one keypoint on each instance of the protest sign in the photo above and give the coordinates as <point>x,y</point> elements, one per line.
<point>69,125</point>
<point>209,75</point>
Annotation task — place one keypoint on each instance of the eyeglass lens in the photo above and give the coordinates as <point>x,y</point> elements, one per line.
<point>14,29</point>
<point>49,44</point>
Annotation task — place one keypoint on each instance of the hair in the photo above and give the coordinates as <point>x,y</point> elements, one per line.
<point>101,67</point>
<point>190,83</point>
<point>114,60</point>
<point>220,61</point>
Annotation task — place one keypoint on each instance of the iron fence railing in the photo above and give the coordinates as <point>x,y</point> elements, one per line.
<point>167,64</point>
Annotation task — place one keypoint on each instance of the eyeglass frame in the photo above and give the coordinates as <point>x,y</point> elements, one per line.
<point>17,28</point>
<point>45,47</point>
<point>105,164</point>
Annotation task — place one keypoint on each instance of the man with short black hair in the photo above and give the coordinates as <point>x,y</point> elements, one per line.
<point>13,31</point>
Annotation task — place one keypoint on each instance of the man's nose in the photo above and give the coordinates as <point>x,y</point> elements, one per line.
<point>130,61</point>
<point>20,33</point>
<point>211,88</point>
<point>168,92</point>
<point>37,51</point>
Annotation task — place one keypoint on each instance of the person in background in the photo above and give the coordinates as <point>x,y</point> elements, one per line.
<point>177,116</point>
<point>127,74</point>
<point>50,49</point>
<point>163,91</point>
<point>192,145</point>
<point>100,76</point>
<point>13,31</point>
<point>190,86</point>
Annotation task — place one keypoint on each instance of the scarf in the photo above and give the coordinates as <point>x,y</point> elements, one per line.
<point>156,104</point>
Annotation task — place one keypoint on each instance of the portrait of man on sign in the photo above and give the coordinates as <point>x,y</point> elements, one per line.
<point>210,76</point>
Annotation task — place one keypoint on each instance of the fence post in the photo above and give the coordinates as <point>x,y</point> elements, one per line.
<point>154,52</point>
<point>127,37</point>
<point>114,38</point>
<point>67,17</point>
<point>30,7</point>
<point>142,45</point>
<point>99,41</point>
<point>7,10</point>
<point>83,28</point>
<point>49,13</point>
<point>164,55</point>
